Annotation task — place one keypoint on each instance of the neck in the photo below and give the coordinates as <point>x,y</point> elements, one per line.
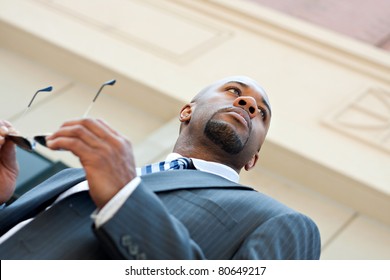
<point>204,152</point>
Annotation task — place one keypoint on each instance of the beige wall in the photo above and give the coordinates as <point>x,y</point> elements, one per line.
<point>328,149</point>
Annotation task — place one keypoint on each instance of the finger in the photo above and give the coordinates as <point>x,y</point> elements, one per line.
<point>94,126</point>
<point>100,129</point>
<point>6,128</point>
<point>2,141</point>
<point>69,134</point>
<point>107,126</point>
<point>5,123</point>
<point>72,144</point>
<point>115,138</point>
<point>7,147</point>
<point>4,131</point>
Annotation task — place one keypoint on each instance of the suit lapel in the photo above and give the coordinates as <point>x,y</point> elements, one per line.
<point>38,198</point>
<point>187,179</point>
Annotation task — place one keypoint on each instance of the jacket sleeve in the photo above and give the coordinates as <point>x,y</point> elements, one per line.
<point>143,229</point>
<point>291,236</point>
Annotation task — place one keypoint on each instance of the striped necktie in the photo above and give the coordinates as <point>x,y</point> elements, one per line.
<point>180,163</point>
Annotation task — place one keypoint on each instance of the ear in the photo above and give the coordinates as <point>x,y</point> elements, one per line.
<point>252,162</point>
<point>185,113</point>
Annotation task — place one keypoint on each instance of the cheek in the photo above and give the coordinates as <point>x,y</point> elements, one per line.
<point>199,120</point>
<point>258,135</point>
<point>205,114</point>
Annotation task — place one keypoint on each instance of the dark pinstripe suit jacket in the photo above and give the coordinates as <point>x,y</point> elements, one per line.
<point>185,214</point>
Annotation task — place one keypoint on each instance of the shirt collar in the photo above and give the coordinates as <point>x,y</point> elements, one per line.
<point>210,167</point>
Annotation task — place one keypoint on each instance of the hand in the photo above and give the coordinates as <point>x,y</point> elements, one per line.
<point>9,168</point>
<point>107,156</point>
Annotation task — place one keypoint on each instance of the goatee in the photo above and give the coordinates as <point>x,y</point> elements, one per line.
<point>224,136</point>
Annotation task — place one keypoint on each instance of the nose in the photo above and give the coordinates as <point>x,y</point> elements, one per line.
<point>248,103</point>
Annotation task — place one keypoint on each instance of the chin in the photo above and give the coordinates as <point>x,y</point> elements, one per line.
<point>224,136</point>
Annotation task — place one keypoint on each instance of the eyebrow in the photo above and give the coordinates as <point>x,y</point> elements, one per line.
<point>246,86</point>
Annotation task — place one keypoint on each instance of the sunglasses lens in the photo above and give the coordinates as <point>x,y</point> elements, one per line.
<point>41,139</point>
<point>22,142</point>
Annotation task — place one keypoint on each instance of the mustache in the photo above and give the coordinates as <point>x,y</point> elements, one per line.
<point>242,112</point>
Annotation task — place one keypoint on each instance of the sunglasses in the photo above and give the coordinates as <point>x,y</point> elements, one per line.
<point>29,144</point>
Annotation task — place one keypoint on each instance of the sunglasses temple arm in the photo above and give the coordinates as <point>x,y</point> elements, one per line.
<point>88,109</point>
<point>43,89</point>
<point>93,102</point>
<point>28,106</point>
<point>32,99</point>
<point>97,94</point>
<point>110,83</point>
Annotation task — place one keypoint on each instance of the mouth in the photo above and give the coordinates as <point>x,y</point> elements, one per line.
<point>241,116</point>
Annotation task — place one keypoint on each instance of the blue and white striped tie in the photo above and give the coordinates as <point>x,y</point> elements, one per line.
<point>180,163</point>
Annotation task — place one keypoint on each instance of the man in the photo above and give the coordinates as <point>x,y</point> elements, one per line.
<point>202,213</point>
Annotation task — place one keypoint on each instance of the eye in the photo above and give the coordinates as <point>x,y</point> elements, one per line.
<point>235,91</point>
<point>262,113</point>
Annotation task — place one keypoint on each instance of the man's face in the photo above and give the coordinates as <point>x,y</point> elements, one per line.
<point>235,115</point>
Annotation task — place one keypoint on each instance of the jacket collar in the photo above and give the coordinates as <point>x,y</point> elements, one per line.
<point>187,179</point>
